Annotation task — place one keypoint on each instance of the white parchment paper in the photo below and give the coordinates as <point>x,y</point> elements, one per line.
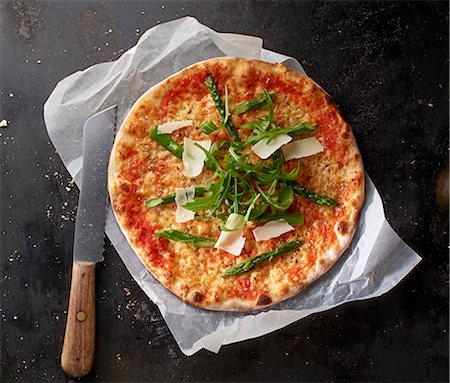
<point>376,261</point>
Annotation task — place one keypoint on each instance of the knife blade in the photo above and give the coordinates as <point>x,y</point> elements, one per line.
<point>77,355</point>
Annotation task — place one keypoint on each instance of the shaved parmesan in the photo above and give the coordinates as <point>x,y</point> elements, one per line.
<point>302,148</point>
<point>193,157</point>
<point>264,150</point>
<point>169,127</point>
<point>232,241</point>
<point>183,196</point>
<point>271,229</point>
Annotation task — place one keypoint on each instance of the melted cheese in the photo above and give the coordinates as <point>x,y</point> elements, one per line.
<point>194,157</point>
<point>302,148</point>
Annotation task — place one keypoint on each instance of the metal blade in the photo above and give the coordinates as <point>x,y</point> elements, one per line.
<point>98,136</point>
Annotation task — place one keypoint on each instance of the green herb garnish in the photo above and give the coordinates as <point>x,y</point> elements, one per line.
<point>259,102</point>
<point>208,127</point>
<point>254,262</point>
<point>180,236</point>
<point>292,131</point>
<point>261,124</point>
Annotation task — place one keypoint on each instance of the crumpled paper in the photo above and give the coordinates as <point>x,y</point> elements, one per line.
<point>375,262</point>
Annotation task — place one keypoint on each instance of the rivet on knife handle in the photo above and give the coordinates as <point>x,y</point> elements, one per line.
<point>79,340</point>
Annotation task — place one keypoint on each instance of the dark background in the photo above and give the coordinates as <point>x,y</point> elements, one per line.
<point>384,63</point>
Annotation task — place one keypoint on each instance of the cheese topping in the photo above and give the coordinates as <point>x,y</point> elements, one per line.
<point>264,150</point>
<point>271,229</point>
<point>232,241</point>
<point>194,157</point>
<point>183,196</point>
<point>169,127</point>
<point>302,148</point>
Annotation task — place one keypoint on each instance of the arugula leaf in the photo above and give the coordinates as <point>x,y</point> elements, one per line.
<point>208,127</point>
<point>238,159</point>
<point>215,150</point>
<point>180,236</point>
<point>292,175</point>
<point>212,162</point>
<point>294,130</point>
<point>167,142</point>
<point>282,200</point>
<point>223,193</point>
<point>259,102</point>
<point>254,262</point>
<point>257,211</point>
<point>210,198</point>
<point>262,124</point>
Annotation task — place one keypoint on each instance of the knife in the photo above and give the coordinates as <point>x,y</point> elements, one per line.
<point>78,348</point>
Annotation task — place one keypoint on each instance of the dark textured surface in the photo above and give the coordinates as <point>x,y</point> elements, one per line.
<point>385,64</point>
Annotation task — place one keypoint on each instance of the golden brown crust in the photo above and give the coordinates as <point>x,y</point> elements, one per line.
<point>140,169</point>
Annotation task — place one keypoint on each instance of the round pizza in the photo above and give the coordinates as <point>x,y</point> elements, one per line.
<point>236,182</point>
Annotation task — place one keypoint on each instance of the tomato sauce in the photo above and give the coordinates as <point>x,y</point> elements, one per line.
<point>330,133</point>
<point>193,85</point>
<point>147,240</point>
<point>242,288</point>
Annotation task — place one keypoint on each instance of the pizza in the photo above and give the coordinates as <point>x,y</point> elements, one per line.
<point>236,182</point>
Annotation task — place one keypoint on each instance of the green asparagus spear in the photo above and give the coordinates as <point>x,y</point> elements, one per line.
<point>165,140</point>
<point>319,199</point>
<point>210,83</point>
<point>291,218</point>
<point>169,198</point>
<point>253,262</point>
<point>180,236</point>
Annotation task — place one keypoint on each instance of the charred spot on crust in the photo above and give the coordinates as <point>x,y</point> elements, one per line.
<point>168,274</point>
<point>329,100</point>
<point>343,227</point>
<point>125,186</point>
<point>263,300</point>
<point>197,296</point>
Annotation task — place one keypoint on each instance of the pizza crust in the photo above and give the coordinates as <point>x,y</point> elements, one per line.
<point>155,255</point>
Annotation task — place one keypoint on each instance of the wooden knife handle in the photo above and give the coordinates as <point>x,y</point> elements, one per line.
<point>77,354</point>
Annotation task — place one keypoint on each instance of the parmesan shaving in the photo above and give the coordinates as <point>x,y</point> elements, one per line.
<point>169,127</point>
<point>232,241</point>
<point>183,196</point>
<point>194,157</point>
<point>302,148</point>
<point>271,229</point>
<point>264,150</point>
